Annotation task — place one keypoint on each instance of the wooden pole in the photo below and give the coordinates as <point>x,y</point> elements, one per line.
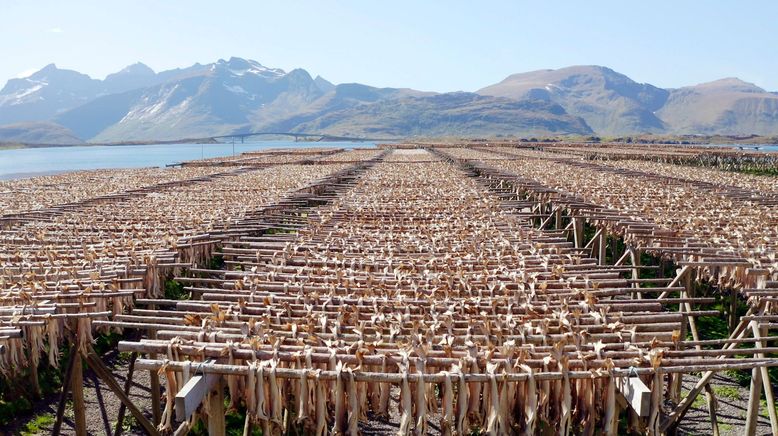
<point>709,395</point>
<point>601,246</point>
<point>732,310</point>
<point>674,387</point>
<point>77,388</point>
<point>752,415</point>
<point>216,423</point>
<point>578,236</point>
<point>127,385</point>
<point>66,383</point>
<point>156,392</point>
<point>634,256</point>
<point>764,375</point>
<point>36,386</point>
<point>683,406</point>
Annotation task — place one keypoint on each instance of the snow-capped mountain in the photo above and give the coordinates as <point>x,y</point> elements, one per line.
<point>212,99</point>
<point>240,95</point>
<point>45,94</point>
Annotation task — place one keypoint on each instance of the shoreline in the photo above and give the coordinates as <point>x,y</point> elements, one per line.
<point>746,143</point>
<point>187,141</point>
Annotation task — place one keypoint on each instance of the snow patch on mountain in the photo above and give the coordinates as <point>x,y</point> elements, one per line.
<point>237,89</point>
<point>18,97</point>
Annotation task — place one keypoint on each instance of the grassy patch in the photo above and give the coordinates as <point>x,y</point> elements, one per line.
<point>729,392</point>
<point>16,394</point>
<point>124,356</point>
<point>759,172</point>
<point>38,424</point>
<point>106,343</point>
<point>234,421</point>
<point>725,427</point>
<point>129,424</point>
<point>763,407</point>
<point>175,291</point>
<point>698,402</point>
<point>743,378</point>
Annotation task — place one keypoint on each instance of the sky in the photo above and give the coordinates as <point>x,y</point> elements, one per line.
<point>428,45</point>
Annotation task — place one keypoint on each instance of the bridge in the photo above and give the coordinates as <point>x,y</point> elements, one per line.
<point>317,137</point>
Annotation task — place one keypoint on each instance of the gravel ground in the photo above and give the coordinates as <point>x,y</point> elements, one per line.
<point>102,408</point>
<point>732,404</point>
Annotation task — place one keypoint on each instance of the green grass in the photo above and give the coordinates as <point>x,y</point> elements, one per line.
<point>729,392</point>
<point>12,408</point>
<point>699,401</point>
<point>16,395</point>
<point>106,343</point>
<point>763,407</point>
<point>129,423</point>
<point>175,291</point>
<point>759,172</point>
<point>37,424</point>
<point>725,427</point>
<point>233,423</point>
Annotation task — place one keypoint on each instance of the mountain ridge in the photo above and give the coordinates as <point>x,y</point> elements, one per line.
<point>241,95</point>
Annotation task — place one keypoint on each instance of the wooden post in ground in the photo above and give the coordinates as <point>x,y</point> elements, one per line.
<point>732,310</point>
<point>36,386</point>
<point>764,375</point>
<point>66,383</point>
<point>577,232</point>
<point>710,398</point>
<point>216,423</point>
<point>156,407</point>
<point>752,414</point>
<point>127,385</point>
<point>675,386</point>
<point>601,246</point>
<point>77,388</point>
<point>680,410</point>
<point>634,257</point>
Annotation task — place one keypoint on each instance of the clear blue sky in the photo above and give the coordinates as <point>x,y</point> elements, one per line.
<point>428,45</point>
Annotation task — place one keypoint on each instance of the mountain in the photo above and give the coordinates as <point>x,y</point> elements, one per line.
<point>38,132</point>
<point>135,76</point>
<point>323,84</point>
<point>240,95</point>
<point>45,94</point>
<point>727,106</point>
<point>611,103</point>
<point>339,98</point>
<point>221,98</point>
<point>459,113</point>
<point>50,92</point>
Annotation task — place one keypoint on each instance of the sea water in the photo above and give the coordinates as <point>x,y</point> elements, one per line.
<point>29,162</point>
